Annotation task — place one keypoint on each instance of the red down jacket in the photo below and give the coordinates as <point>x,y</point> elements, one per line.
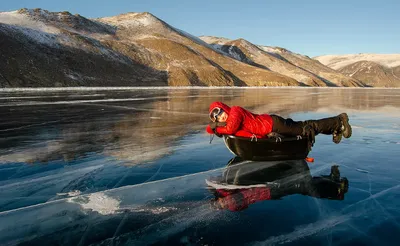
<point>242,122</point>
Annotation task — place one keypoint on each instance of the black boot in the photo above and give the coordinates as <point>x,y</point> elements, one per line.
<point>344,130</point>
<point>337,126</point>
<point>346,127</point>
<point>330,126</point>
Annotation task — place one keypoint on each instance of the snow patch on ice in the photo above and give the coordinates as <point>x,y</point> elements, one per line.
<point>98,202</point>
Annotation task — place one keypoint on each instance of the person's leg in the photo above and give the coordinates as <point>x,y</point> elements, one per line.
<point>287,127</point>
<point>336,126</point>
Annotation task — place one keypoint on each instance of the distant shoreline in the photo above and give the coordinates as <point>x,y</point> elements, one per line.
<point>176,87</point>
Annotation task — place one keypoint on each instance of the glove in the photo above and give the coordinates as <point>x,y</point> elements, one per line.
<point>214,125</point>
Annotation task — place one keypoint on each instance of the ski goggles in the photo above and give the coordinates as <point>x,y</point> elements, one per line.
<point>215,113</point>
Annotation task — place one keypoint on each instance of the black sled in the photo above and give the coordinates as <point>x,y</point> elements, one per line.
<point>268,149</point>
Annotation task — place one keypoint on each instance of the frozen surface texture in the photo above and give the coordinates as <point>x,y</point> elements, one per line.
<point>135,167</point>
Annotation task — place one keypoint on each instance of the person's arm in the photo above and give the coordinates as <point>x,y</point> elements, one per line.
<point>233,122</point>
<point>213,125</point>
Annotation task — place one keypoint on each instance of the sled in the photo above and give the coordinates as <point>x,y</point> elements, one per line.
<point>268,149</point>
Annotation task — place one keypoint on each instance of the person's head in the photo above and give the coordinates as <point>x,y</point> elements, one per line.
<point>218,115</point>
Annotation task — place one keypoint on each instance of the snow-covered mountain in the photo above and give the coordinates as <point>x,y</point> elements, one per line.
<point>283,61</point>
<point>45,49</point>
<point>377,70</point>
<point>339,61</point>
<point>188,59</point>
<point>42,48</point>
<point>373,74</point>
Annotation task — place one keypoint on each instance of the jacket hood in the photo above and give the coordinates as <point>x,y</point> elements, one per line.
<point>221,105</point>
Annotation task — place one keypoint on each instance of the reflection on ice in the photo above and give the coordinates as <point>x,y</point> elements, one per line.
<point>171,206</point>
<point>125,172</point>
<point>245,183</point>
<point>166,211</point>
<point>179,202</point>
<point>347,215</point>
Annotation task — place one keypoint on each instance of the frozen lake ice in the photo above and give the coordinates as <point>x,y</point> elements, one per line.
<point>135,167</point>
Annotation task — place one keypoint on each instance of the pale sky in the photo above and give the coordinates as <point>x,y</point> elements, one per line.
<point>308,27</point>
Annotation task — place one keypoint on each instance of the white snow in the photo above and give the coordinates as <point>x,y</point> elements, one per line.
<point>277,50</point>
<point>35,30</point>
<point>15,18</point>
<point>131,20</point>
<point>214,40</point>
<point>270,49</point>
<point>234,54</point>
<point>197,40</point>
<point>98,202</point>
<point>50,35</point>
<point>339,61</point>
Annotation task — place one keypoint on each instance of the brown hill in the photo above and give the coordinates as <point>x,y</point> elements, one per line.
<point>251,54</point>
<point>44,49</point>
<point>338,61</point>
<point>299,67</point>
<point>331,76</point>
<point>373,74</point>
<point>187,59</point>
<point>396,71</point>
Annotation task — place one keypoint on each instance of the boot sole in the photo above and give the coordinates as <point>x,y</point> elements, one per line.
<point>347,127</point>
<point>337,137</point>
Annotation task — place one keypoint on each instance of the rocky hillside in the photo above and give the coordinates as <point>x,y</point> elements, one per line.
<point>378,70</point>
<point>331,76</point>
<point>373,74</point>
<point>187,59</point>
<point>299,67</point>
<point>45,49</point>
<point>339,61</point>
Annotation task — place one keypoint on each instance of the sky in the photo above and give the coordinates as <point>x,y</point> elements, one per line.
<point>308,27</point>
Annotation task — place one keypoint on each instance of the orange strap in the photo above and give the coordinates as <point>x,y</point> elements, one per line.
<point>309,159</point>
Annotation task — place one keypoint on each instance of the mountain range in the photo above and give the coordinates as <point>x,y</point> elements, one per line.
<point>47,49</point>
<point>375,70</point>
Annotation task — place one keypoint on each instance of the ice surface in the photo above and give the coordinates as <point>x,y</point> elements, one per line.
<point>128,166</point>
